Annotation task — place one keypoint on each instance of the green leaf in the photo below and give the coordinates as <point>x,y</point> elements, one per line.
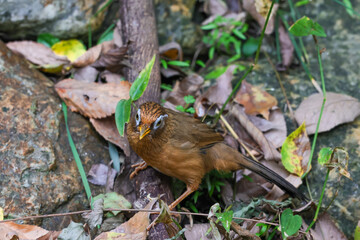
<point>234,58</point>
<point>290,224</point>
<point>47,39</point>
<point>293,149</point>
<point>72,49</point>
<point>200,63</point>
<point>263,229</point>
<point>74,229</point>
<point>114,156</point>
<point>141,82</point>
<point>108,35</point>
<point>179,63</point>
<point>164,63</point>
<point>211,52</point>
<point>190,110</point>
<point>239,34</point>
<point>166,87</point>
<point>209,26</point>
<point>189,99</point>
<point>250,46</point>
<point>348,7</point>
<point>180,108</point>
<point>114,200</point>
<point>122,114</point>
<point>357,232</point>
<point>305,26</point>
<point>301,3</point>
<point>216,73</point>
<point>225,218</point>
<point>324,155</point>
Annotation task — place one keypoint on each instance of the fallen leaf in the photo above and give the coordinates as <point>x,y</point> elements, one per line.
<point>171,51</point>
<point>113,60</point>
<point>11,230</point>
<point>188,86</point>
<point>99,174</point>
<point>38,54</point>
<point>215,7</point>
<point>95,217</point>
<point>197,231</point>
<point>325,229</point>
<point>114,200</point>
<point>134,229</point>
<point>74,231</point>
<point>295,152</point>
<point>72,49</point>
<point>249,6</point>
<point>269,150</point>
<point>109,77</point>
<point>92,54</point>
<point>255,100</point>
<point>106,127</point>
<point>339,109</point>
<point>274,129</point>
<point>216,94</point>
<point>287,49</point>
<point>93,100</point>
<point>86,74</point>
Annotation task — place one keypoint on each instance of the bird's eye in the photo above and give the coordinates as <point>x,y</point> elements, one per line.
<point>137,117</point>
<point>159,121</point>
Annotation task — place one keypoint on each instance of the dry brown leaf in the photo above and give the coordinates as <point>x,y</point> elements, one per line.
<point>11,230</point>
<point>99,175</point>
<point>216,94</point>
<point>339,109</point>
<point>249,6</point>
<point>325,229</point>
<point>171,51</point>
<point>110,77</point>
<point>134,229</point>
<point>197,231</point>
<point>106,127</point>
<point>274,129</point>
<point>269,150</point>
<point>37,53</point>
<point>188,86</point>
<point>92,99</point>
<point>215,7</point>
<point>86,74</point>
<point>92,54</point>
<point>113,60</point>
<point>287,48</point>
<point>255,100</point>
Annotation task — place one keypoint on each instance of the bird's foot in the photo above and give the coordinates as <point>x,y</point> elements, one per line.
<point>138,167</point>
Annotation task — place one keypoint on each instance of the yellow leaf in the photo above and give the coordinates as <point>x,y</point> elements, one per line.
<point>72,49</point>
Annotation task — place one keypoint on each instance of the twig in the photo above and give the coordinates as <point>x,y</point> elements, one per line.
<point>233,133</point>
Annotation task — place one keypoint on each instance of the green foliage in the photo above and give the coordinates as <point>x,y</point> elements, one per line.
<point>123,108</point>
<point>47,39</point>
<point>348,7</point>
<point>301,3</point>
<point>225,218</point>
<point>166,87</point>
<point>305,26</point>
<point>290,224</point>
<point>179,63</point>
<point>107,35</point>
<point>216,73</point>
<point>188,100</point>
<point>250,46</point>
<point>200,63</point>
<point>325,155</point>
<point>141,82</point>
<point>263,229</point>
<point>225,34</point>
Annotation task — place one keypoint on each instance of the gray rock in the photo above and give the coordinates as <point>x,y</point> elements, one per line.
<point>63,19</point>
<point>37,169</point>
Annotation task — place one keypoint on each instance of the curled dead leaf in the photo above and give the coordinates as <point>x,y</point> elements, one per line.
<point>171,51</point>
<point>92,54</point>
<point>93,100</point>
<point>38,54</point>
<point>112,60</point>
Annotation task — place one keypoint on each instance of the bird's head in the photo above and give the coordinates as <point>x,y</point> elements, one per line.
<point>149,118</point>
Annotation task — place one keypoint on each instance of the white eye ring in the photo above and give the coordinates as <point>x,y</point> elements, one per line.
<point>137,117</point>
<point>159,121</point>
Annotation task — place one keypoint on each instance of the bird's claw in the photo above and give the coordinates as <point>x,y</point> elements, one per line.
<point>138,167</point>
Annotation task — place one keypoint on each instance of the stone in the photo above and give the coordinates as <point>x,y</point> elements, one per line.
<point>37,169</point>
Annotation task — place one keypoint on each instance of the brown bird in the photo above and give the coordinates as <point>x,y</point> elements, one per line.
<point>185,148</point>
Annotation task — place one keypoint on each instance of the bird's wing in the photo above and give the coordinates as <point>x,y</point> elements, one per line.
<point>194,133</point>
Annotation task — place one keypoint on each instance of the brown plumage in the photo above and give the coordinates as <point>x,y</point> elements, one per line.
<point>185,148</point>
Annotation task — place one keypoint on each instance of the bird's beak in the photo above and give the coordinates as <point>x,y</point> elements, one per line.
<point>144,130</point>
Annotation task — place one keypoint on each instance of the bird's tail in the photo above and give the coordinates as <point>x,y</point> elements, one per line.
<point>229,160</point>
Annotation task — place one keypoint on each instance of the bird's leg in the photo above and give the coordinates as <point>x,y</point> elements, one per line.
<point>138,167</point>
<point>189,190</point>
